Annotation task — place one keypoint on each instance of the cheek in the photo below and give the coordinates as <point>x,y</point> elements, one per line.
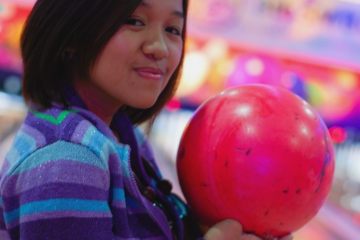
<point>176,56</point>
<point>118,49</point>
<point>110,61</point>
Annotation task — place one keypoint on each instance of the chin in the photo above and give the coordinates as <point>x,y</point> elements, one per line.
<point>143,105</point>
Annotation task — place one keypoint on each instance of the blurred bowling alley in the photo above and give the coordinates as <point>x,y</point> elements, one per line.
<point>311,48</point>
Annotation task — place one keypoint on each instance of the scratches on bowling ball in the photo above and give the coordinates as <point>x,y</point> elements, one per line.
<point>267,106</point>
<point>204,184</point>
<point>246,151</point>
<point>287,190</point>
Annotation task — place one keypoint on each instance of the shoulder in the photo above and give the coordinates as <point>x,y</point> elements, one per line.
<point>57,133</point>
<point>70,125</point>
<point>60,163</point>
<point>60,179</point>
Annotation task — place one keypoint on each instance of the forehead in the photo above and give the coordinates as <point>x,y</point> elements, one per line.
<point>174,7</point>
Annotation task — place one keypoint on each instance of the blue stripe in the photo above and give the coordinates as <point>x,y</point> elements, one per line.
<point>56,205</point>
<point>123,152</point>
<point>12,156</point>
<point>139,135</point>
<point>24,144</point>
<point>153,183</point>
<point>118,194</point>
<point>60,151</point>
<point>132,203</point>
<point>96,141</point>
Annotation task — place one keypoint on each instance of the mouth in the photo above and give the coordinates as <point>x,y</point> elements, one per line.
<point>150,73</point>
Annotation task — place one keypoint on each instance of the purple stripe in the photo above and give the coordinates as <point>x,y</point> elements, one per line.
<point>2,224</point>
<point>65,229</point>
<point>60,214</point>
<point>80,130</point>
<point>53,112</point>
<point>118,204</point>
<point>59,171</point>
<point>56,190</point>
<point>97,122</point>
<point>114,164</point>
<point>51,130</point>
<point>4,235</point>
<point>35,134</point>
<point>117,181</point>
<point>42,126</point>
<point>5,167</point>
<point>134,221</point>
<point>71,126</point>
<point>149,238</point>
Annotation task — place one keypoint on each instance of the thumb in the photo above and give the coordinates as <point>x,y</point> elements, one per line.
<point>224,230</point>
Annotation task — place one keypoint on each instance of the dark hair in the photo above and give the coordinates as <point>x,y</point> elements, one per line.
<point>55,48</point>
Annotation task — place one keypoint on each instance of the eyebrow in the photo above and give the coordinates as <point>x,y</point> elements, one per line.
<point>175,12</point>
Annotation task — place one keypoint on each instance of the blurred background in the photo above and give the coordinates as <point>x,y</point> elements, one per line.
<point>311,47</point>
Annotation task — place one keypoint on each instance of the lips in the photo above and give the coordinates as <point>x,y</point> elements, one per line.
<point>150,73</point>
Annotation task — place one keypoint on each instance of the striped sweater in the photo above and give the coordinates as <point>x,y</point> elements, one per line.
<point>67,177</point>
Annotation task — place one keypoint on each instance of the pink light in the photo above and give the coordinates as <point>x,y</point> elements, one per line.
<point>338,134</point>
<point>173,105</point>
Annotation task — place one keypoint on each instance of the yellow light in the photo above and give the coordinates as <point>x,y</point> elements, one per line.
<point>196,67</point>
<point>216,49</point>
<point>347,80</point>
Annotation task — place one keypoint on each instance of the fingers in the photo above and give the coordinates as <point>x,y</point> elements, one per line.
<point>225,230</point>
<point>232,230</point>
<point>249,237</point>
<point>288,237</point>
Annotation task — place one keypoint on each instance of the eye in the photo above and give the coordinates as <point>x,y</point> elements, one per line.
<point>174,30</point>
<point>134,22</point>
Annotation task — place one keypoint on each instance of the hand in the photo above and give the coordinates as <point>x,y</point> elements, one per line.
<point>231,230</point>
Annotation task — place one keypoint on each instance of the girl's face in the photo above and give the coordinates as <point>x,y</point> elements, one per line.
<point>138,61</point>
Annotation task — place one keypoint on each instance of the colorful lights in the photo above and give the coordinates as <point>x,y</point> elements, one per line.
<point>338,134</point>
<point>12,18</point>
<point>196,66</point>
<point>252,68</point>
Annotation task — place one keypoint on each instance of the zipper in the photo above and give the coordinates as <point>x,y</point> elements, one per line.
<point>156,214</point>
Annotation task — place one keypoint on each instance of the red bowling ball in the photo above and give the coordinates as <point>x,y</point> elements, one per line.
<point>258,154</point>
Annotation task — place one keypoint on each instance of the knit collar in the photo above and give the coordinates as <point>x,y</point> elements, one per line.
<point>121,129</point>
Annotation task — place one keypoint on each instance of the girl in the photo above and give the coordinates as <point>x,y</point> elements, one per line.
<point>78,168</point>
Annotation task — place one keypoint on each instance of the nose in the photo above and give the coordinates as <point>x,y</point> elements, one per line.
<point>155,46</point>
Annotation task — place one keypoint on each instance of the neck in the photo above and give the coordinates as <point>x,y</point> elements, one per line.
<point>97,101</point>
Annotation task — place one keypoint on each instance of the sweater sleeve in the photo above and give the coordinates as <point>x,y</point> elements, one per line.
<point>60,191</point>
